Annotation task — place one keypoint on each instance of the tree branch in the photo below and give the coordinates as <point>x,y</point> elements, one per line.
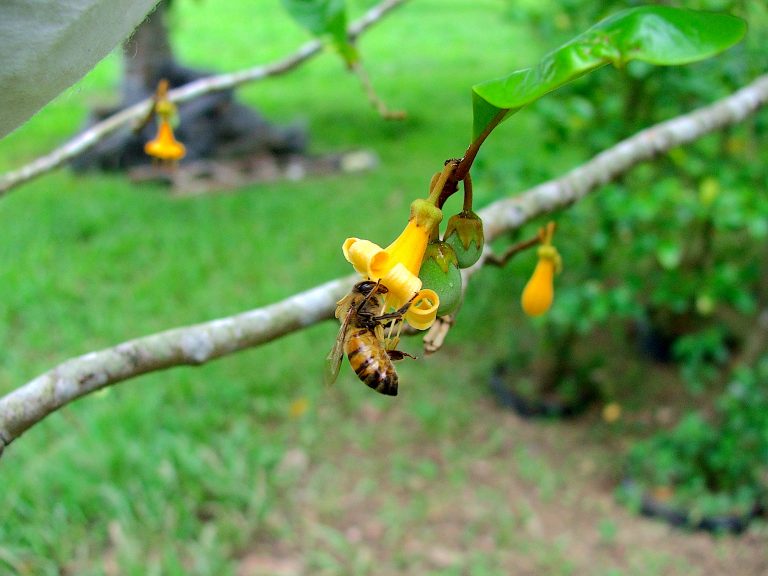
<point>200,343</point>
<point>190,345</point>
<point>98,132</point>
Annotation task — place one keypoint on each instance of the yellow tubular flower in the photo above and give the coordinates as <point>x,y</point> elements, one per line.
<point>397,266</point>
<point>401,282</point>
<point>165,146</point>
<point>359,253</point>
<point>423,310</point>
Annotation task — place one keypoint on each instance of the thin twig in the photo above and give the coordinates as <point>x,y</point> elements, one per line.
<point>201,343</point>
<point>373,97</point>
<point>98,132</point>
<point>502,259</point>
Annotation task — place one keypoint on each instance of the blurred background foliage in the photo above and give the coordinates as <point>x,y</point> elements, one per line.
<point>670,259</point>
<point>213,470</point>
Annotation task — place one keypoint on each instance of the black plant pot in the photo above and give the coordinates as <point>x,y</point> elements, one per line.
<point>658,344</point>
<point>679,517</point>
<point>545,407</point>
<point>653,343</point>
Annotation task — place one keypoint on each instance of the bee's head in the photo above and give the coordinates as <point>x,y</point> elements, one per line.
<point>367,286</point>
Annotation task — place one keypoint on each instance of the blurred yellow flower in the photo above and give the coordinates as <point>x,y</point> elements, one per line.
<point>611,412</point>
<point>298,407</point>
<point>165,146</point>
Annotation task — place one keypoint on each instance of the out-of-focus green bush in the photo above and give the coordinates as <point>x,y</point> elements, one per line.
<point>712,466</point>
<point>676,249</point>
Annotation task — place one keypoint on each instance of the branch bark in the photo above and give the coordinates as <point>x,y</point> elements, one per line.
<point>200,343</point>
<point>98,132</point>
<point>190,345</point>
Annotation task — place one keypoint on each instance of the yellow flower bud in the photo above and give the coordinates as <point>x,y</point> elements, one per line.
<point>539,292</point>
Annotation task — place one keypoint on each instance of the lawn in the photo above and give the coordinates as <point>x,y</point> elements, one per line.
<point>248,465</point>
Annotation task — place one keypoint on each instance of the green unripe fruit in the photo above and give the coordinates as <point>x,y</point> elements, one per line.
<point>440,272</point>
<point>465,235</point>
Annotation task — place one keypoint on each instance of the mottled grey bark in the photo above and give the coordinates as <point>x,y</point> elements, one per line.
<point>191,345</point>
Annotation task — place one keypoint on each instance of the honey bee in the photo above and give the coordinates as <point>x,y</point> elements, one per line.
<point>361,338</point>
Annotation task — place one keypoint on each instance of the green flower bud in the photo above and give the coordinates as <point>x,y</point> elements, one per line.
<point>440,272</point>
<point>465,235</point>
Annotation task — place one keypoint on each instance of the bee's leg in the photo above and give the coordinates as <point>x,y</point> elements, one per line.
<point>396,315</point>
<point>396,321</point>
<point>396,355</point>
<point>404,308</point>
<point>388,316</point>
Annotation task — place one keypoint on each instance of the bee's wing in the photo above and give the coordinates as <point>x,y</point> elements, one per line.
<point>333,360</point>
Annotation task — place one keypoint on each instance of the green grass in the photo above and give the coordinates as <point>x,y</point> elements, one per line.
<point>178,472</point>
<point>190,471</point>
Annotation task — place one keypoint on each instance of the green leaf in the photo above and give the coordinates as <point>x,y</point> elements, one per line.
<point>659,35</point>
<point>324,18</point>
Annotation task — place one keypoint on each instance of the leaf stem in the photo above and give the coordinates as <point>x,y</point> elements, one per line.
<point>465,163</point>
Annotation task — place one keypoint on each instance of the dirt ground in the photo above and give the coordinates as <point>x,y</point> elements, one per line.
<point>500,495</point>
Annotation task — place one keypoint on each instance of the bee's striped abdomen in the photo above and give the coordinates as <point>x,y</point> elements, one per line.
<point>370,361</point>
